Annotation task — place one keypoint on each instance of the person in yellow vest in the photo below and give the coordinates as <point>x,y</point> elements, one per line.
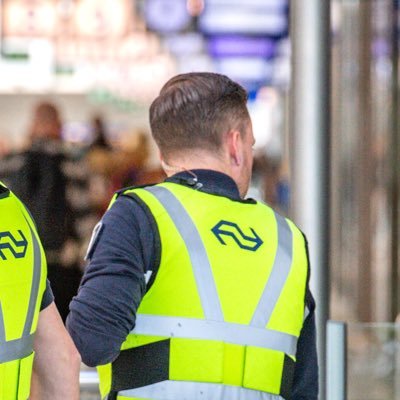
<point>193,291</point>
<point>38,359</point>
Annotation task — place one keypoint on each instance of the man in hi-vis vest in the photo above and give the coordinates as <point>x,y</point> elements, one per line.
<point>192,291</point>
<point>38,359</point>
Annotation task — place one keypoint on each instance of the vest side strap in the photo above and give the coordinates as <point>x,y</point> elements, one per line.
<point>215,330</point>
<point>180,390</point>
<point>141,366</point>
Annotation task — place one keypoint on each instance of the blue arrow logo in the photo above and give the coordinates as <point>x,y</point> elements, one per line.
<point>9,242</point>
<point>226,228</point>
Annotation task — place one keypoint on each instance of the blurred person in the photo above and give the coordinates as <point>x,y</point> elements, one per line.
<point>270,176</point>
<point>99,132</point>
<point>38,359</point>
<point>193,291</point>
<point>133,154</point>
<point>4,150</point>
<point>123,165</point>
<point>52,181</point>
<point>101,163</point>
<point>134,162</point>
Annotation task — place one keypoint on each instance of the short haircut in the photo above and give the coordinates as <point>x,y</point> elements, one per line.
<point>195,110</point>
<point>46,121</point>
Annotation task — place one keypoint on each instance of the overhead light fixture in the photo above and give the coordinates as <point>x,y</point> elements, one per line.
<point>103,18</point>
<point>29,18</point>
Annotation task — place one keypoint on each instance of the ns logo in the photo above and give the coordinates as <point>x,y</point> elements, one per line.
<point>226,229</point>
<point>12,244</point>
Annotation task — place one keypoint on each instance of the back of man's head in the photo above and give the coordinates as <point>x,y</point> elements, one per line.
<point>193,112</point>
<point>46,122</point>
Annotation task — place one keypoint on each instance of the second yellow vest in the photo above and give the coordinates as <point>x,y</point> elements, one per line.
<point>22,284</point>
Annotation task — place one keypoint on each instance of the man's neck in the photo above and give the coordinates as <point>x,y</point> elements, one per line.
<point>198,161</point>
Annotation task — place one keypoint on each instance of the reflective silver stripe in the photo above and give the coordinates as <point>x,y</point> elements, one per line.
<point>279,274</point>
<point>215,330</point>
<point>37,269</point>
<point>197,252</point>
<point>2,327</point>
<point>16,349</point>
<point>179,390</point>
<point>20,348</point>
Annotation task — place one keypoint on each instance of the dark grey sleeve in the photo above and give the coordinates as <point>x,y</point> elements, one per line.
<point>104,310</point>
<point>305,381</point>
<point>48,297</point>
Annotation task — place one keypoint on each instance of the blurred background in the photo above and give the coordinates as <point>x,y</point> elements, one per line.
<point>95,66</point>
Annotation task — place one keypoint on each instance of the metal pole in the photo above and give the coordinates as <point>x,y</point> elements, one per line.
<point>394,188</point>
<point>336,361</point>
<point>310,124</point>
<point>365,163</point>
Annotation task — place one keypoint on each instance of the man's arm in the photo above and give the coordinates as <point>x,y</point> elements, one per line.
<point>56,364</point>
<point>104,311</point>
<point>305,381</point>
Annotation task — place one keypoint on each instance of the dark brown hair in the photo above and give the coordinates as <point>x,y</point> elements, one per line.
<point>195,110</point>
<point>46,122</point>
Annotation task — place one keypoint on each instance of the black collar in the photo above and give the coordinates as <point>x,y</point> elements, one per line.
<point>208,181</point>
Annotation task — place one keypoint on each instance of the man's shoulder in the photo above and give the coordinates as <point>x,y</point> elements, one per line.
<point>128,204</point>
<point>282,217</point>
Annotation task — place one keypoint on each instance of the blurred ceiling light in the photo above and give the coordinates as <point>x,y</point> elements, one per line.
<point>250,69</point>
<point>219,20</point>
<point>137,45</point>
<point>195,7</point>
<point>167,15</point>
<point>65,8</point>
<point>277,5</point>
<point>195,63</point>
<point>29,18</point>
<point>184,44</point>
<point>241,45</point>
<point>103,18</point>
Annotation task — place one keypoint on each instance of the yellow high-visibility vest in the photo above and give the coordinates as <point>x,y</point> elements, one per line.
<point>22,284</point>
<point>223,316</point>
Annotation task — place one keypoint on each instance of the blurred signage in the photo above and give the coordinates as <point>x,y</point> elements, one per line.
<point>255,17</point>
<point>274,25</point>
<point>103,18</point>
<point>47,18</point>
<point>195,63</point>
<point>223,46</point>
<point>250,69</point>
<point>274,5</point>
<point>244,38</point>
<point>183,44</point>
<point>29,18</point>
<point>167,16</point>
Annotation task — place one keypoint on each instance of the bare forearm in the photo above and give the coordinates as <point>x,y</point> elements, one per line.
<point>60,384</point>
<point>56,365</point>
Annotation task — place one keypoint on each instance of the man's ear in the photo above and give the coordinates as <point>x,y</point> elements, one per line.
<point>234,140</point>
